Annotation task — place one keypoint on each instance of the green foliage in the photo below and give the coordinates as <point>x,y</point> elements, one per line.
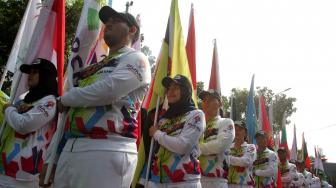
<point>281,104</point>
<point>11,13</point>
<point>151,58</point>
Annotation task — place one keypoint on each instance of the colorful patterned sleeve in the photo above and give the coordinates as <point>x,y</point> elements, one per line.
<point>42,112</point>
<point>271,167</point>
<point>223,140</point>
<point>188,137</point>
<point>246,160</point>
<point>130,75</point>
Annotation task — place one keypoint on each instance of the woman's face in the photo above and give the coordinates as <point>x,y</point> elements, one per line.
<point>240,133</point>
<point>33,78</point>
<point>173,93</point>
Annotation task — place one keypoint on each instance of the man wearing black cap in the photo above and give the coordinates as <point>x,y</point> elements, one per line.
<point>217,138</point>
<point>265,166</point>
<point>307,176</point>
<point>240,159</point>
<point>101,130</point>
<point>287,169</point>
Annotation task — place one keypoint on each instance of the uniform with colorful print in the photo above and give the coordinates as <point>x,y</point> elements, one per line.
<point>175,157</point>
<point>218,137</point>
<point>24,142</point>
<point>288,171</point>
<point>240,163</point>
<point>298,180</point>
<point>265,168</point>
<point>307,178</point>
<point>102,120</point>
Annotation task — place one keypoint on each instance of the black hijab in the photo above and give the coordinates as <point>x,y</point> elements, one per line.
<point>47,84</point>
<point>185,104</point>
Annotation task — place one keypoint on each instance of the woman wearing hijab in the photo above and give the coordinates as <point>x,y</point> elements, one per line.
<point>30,126</point>
<point>174,161</point>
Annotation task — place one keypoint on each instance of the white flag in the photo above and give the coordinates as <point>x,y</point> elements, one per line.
<point>89,46</point>
<point>293,153</point>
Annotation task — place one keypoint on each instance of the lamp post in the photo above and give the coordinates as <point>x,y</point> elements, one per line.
<point>128,4</point>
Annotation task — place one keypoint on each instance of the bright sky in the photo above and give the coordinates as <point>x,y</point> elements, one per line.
<point>286,44</point>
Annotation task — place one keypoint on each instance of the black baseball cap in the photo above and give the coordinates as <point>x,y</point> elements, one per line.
<point>261,133</point>
<point>107,12</point>
<point>240,123</point>
<point>40,64</point>
<point>178,79</point>
<point>210,92</point>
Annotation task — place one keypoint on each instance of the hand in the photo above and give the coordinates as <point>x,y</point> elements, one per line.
<point>24,108</point>
<point>152,130</point>
<point>43,174</point>
<point>6,106</point>
<point>60,107</point>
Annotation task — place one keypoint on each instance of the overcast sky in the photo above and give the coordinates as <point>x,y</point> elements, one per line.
<point>286,44</point>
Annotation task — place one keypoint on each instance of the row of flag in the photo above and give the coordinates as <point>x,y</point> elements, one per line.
<point>42,33</point>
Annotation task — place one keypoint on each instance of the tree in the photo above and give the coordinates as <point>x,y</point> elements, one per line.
<point>281,104</point>
<point>151,58</point>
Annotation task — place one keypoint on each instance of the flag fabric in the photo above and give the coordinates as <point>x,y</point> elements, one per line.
<point>214,82</point>
<point>264,123</point>
<point>191,47</point>
<point>233,110</point>
<point>172,61</point>
<point>305,155</point>
<point>251,120</point>
<point>88,46</point>
<point>278,179</point>
<point>318,165</point>
<point>283,141</point>
<point>294,150</point>
<point>137,45</point>
<point>3,100</point>
<point>270,117</point>
<point>47,42</point>
<point>23,37</point>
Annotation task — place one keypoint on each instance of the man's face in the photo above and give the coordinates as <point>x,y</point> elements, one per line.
<point>116,31</point>
<point>261,142</point>
<point>240,133</point>
<point>282,155</point>
<point>210,105</point>
<point>300,167</point>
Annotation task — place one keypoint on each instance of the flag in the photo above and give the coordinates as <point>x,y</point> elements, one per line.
<point>270,117</point>
<point>305,155</point>
<point>172,61</point>
<point>214,82</point>
<point>283,141</point>
<point>251,120</point>
<point>23,37</point>
<point>47,42</point>
<point>191,47</point>
<point>137,45</point>
<point>88,46</point>
<point>318,165</point>
<point>233,110</point>
<point>294,151</point>
<point>278,179</point>
<point>3,100</point>
<point>264,123</point>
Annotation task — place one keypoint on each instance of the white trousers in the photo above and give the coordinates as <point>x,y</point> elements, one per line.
<point>239,186</point>
<point>9,182</point>
<point>213,182</point>
<point>95,169</point>
<point>195,184</point>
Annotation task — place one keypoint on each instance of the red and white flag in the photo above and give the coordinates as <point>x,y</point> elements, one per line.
<point>47,42</point>
<point>191,48</point>
<point>214,82</point>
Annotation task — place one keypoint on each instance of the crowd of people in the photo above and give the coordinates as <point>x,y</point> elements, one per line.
<point>192,147</point>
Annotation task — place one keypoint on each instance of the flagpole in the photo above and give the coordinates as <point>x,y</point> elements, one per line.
<point>152,142</point>
<point>58,136</point>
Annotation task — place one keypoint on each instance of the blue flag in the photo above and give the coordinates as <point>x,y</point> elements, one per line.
<point>251,120</point>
